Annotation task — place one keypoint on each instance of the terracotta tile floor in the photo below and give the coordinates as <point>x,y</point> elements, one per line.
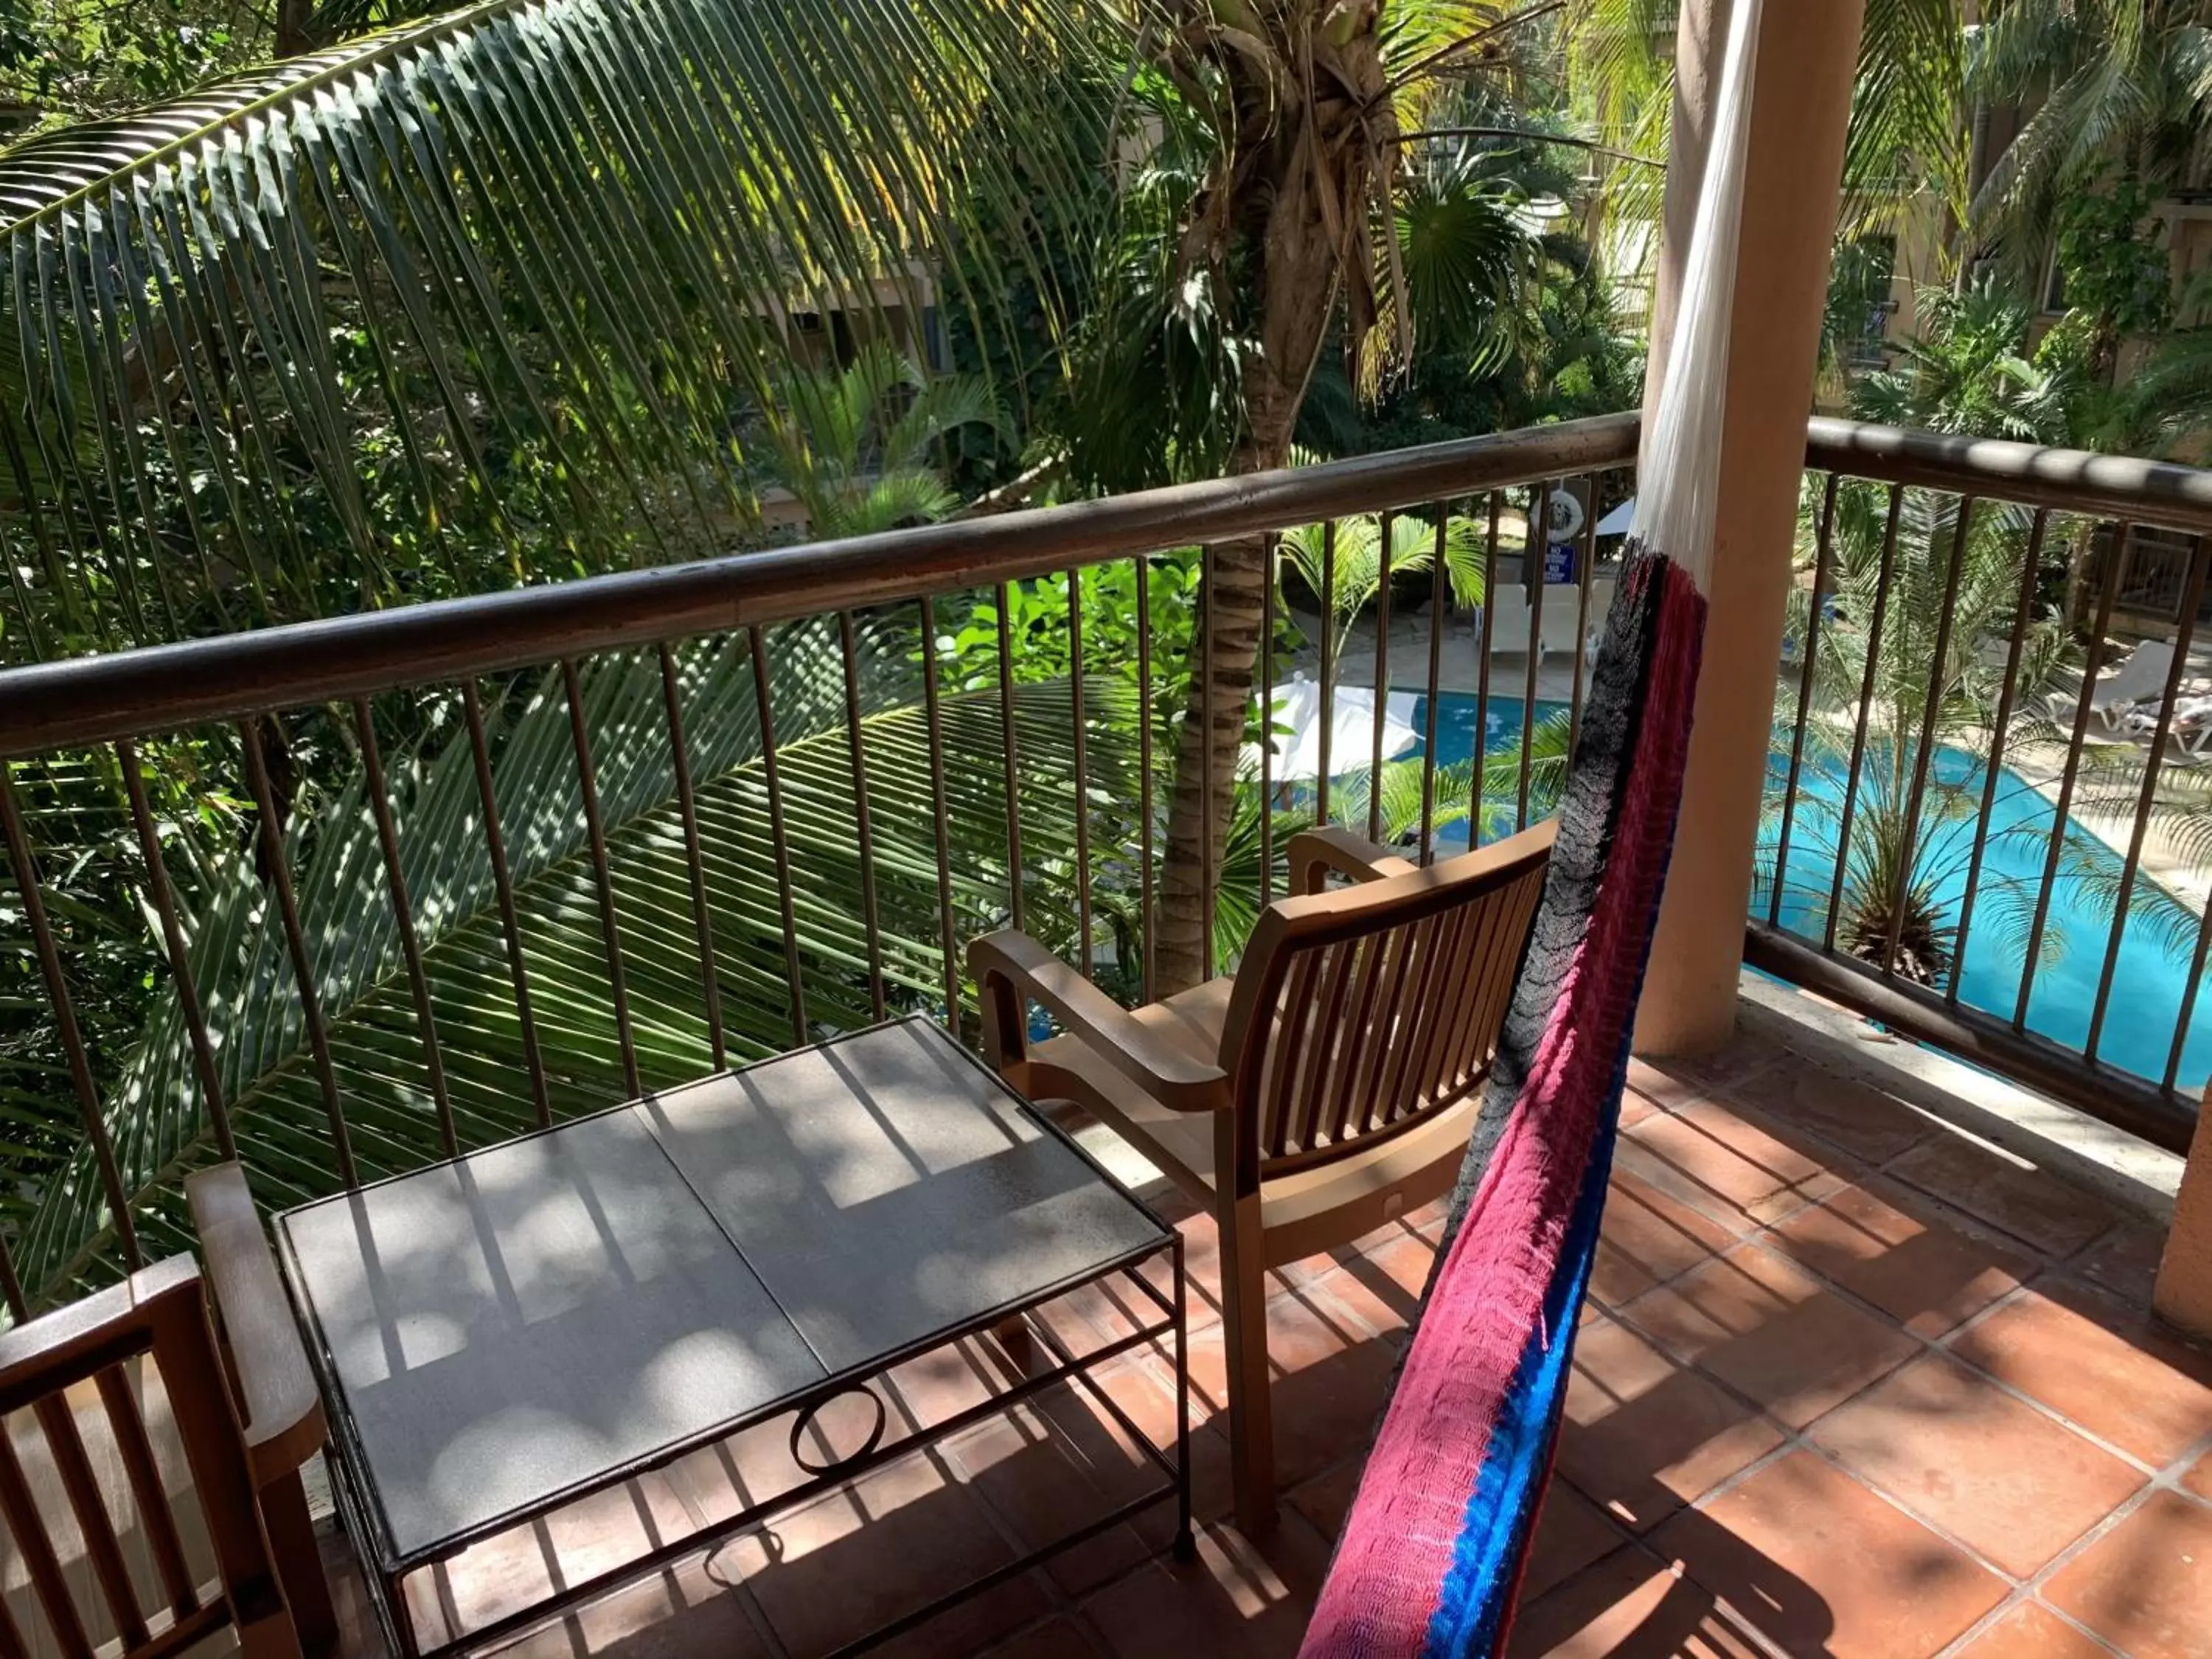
<point>1852,1385</point>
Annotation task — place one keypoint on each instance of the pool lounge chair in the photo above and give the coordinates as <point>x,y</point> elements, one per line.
<point>2140,676</point>
<point>2190,726</point>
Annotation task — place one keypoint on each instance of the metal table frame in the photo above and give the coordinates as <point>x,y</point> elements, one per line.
<point>387,1568</point>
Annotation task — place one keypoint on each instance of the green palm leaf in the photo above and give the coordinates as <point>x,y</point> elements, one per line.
<point>158,1119</point>
<point>484,296</point>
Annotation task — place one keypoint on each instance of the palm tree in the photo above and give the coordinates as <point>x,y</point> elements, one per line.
<point>1346,565</point>
<point>1267,224</point>
<point>486,298</point>
<point>1927,678</point>
<point>2117,90</point>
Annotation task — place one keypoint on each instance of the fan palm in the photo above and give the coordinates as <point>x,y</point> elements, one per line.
<point>160,1119</point>
<point>1935,675</point>
<point>853,443</point>
<point>1346,566</point>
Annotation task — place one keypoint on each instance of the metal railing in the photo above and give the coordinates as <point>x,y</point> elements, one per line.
<point>1962,819</point>
<point>817,851</point>
<point>812,851</point>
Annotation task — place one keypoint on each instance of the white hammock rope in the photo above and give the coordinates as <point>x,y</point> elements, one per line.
<point>1678,473</point>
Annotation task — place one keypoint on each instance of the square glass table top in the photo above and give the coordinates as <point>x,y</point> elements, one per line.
<point>522,1325</point>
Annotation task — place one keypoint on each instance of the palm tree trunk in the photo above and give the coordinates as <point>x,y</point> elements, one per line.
<point>1228,641</point>
<point>1235,606</point>
<point>1309,158</point>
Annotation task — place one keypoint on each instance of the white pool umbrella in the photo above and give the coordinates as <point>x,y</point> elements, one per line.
<point>1351,735</point>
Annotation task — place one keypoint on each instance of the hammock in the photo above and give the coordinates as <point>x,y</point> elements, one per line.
<point>1431,1555</point>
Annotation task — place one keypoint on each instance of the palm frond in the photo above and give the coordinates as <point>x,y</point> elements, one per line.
<point>158,1119</point>
<point>483,295</point>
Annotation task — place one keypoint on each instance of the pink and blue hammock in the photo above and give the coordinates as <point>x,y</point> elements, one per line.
<point>1430,1560</point>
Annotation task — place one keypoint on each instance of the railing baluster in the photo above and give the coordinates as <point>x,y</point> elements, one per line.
<point>518,972</point>
<point>1145,760</point>
<point>1532,578</point>
<point>172,941</point>
<point>2030,579</point>
<point>1440,612</point>
<point>2184,636</point>
<point>1207,872</point>
<point>779,838</point>
<point>1267,726</point>
<point>1328,668</point>
<point>11,1286</point>
<point>1014,883</point>
<point>57,995</point>
<point>1381,676</point>
<point>863,815</point>
<point>1866,708</point>
<point>1823,545</point>
<point>303,973</point>
<point>402,915</point>
<point>1585,556</point>
<point>2061,817</point>
<point>1916,795</point>
<point>1484,635</point>
<point>948,939</point>
<point>1082,767</point>
<point>687,808</point>
<point>2187,1014</point>
<point>602,877</point>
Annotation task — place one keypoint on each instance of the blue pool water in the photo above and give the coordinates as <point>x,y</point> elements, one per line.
<point>2149,977</point>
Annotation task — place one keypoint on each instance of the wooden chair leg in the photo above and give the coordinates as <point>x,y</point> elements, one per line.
<point>299,1563</point>
<point>1244,1334</point>
<point>271,1635</point>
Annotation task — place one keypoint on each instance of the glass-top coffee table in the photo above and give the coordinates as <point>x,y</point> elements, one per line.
<point>510,1333</point>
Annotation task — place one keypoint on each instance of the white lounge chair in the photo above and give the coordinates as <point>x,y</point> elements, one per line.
<point>1508,621</point>
<point>1559,629</point>
<point>2190,727</point>
<point>2141,675</point>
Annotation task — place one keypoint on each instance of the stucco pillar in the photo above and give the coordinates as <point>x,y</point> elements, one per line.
<point>2185,1275</point>
<point>1801,105</point>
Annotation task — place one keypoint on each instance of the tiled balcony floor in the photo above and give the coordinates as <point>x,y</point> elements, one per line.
<point>1850,1385</point>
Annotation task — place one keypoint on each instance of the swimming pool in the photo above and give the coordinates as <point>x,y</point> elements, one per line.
<point>2148,978</point>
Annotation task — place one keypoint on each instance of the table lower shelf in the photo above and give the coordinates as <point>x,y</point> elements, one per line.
<point>830,1439</point>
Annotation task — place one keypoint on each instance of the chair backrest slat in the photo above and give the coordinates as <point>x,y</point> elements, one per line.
<point>1299,1022</point>
<point>147,1488</point>
<point>1371,1007</point>
<point>28,1527</point>
<point>94,1525</point>
<point>1431,1070</point>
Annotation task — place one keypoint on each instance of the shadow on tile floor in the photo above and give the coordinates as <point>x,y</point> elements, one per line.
<point>1849,1385</point>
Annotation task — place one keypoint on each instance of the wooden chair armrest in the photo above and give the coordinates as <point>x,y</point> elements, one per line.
<point>279,1401</point>
<point>1168,1073</point>
<point>1314,852</point>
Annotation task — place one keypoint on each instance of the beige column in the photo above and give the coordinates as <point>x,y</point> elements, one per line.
<point>1800,106</point>
<point>2185,1275</point>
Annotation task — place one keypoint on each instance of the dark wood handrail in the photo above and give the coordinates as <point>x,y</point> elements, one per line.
<point>128,693</point>
<point>2064,480</point>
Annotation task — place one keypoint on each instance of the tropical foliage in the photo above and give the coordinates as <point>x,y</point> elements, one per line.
<point>483,300</point>
<point>570,1051</point>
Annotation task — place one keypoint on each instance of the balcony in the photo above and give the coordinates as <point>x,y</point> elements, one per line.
<point>1853,1381</point>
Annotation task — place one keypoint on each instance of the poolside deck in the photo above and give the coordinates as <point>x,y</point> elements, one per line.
<point>1852,1384</point>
